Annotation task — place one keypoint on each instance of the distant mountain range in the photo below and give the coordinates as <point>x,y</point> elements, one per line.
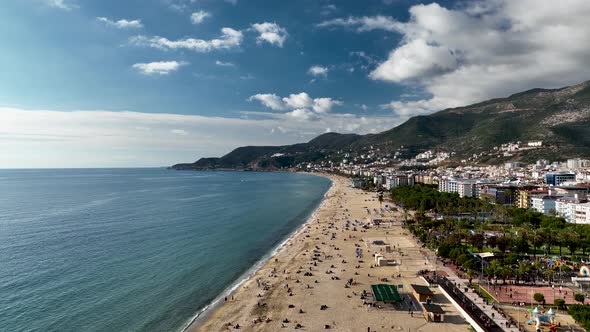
<point>558,117</point>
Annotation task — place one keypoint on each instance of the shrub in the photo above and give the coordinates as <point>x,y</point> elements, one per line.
<point>539,297</point>
<point>559,303</point>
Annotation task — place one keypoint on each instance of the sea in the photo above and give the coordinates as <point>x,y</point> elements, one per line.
<point>137,249</point>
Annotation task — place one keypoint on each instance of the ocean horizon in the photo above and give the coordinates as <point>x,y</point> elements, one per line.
<point>136,249</point>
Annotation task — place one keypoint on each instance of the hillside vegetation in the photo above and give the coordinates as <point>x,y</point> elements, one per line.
<point>558,117</point>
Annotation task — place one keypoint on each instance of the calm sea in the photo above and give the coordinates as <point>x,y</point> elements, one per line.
<point>136,249</point>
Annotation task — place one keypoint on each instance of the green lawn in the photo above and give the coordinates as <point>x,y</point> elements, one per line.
<point>483,292</point>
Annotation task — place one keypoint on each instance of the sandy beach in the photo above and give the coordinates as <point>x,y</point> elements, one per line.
<point>307,284</point>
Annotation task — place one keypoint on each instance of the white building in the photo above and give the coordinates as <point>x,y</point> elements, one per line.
<point>583,213</point>
<point>576,163</point>
<point>566,207</point>
<point>379,180</point>
<point>543,203</point>
<point>395,181</point>
<point>467,188</point>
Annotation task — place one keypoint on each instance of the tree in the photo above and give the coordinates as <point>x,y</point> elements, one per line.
<point>522,271</point>
<point>476,241</point>
<point>538,297</point>
<point>571,240</point>
<point>579,297</point>
<point>559,303</point>
<point>521,245</point>
<point>537,240</point>
<point>503,243</point>
<point>492,241</point>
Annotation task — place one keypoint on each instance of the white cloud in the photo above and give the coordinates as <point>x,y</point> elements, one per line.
<point>199,16</point>
<point>121,24</point>
<point>61,4</point>
<point>302,114</point>
<point>482,50</point>
<point>44,138</point>
<point>269,100</point>
<point>229,39</point>
<point>324,105</point>
<point>415,59</point>
<point>271,33</point>
<point>318,71</point>
<point>365,23</point>
<point>224,64</point>
<point>297,102</point>
<point>328,9</point>
<point>158,68</point>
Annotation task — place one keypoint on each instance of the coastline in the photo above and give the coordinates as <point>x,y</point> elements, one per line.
<point>201,317</point>
<point>306,284</point>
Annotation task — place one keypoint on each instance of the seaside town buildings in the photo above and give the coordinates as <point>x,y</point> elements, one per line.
<point>559,188</point>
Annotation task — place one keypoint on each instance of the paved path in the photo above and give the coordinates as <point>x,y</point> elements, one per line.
<point>480,302</point>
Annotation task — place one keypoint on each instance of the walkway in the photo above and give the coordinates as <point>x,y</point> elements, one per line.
<point>480,302</point>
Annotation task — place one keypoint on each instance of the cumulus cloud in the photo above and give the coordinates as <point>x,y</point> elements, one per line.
<point>301,105</point>
<point>324,105</point>
<point>158,68</point>
<point>298,100</point>
<point>302,114</point>
<point>318,71</point>
<point>121,24</point>
<point>270,33</point>
<point>61,4</point>
<point>481,50</point>
<point>229,39</point>
<point>121,139</point>
<point>199,16</point>
<point>415,59</point>
<point>269,100</point>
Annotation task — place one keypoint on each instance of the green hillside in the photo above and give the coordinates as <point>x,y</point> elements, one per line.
<point>559,117</point>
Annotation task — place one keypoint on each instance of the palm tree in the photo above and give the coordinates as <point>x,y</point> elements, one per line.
<point>537,240</point>
<point>522,271</point>
<point>549,238</point>
<point>571,239</point>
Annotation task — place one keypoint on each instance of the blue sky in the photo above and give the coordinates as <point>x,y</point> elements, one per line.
<point>154,82</point>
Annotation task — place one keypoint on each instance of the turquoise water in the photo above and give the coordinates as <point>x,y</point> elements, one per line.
<point>136,249</point>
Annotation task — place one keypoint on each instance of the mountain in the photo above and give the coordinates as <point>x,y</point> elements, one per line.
<point>560,118</point>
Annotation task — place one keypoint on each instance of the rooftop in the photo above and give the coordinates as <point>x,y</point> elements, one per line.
<point>422,290</point>
<point>433,308</point>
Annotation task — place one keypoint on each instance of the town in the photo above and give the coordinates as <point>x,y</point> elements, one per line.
<point>557,188</point>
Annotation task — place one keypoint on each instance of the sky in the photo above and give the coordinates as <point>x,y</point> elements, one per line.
<point>143,83</point>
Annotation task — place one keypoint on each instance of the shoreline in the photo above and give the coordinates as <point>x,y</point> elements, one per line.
<point>201,317</point>
<point>322,277</point>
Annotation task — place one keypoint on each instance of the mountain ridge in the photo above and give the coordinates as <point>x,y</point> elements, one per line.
<point>560,118</point>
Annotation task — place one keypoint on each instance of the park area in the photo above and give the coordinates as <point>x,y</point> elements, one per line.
<point>525,294</point>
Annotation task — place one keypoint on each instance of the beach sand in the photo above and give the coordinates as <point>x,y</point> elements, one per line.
<point>282,291</point>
